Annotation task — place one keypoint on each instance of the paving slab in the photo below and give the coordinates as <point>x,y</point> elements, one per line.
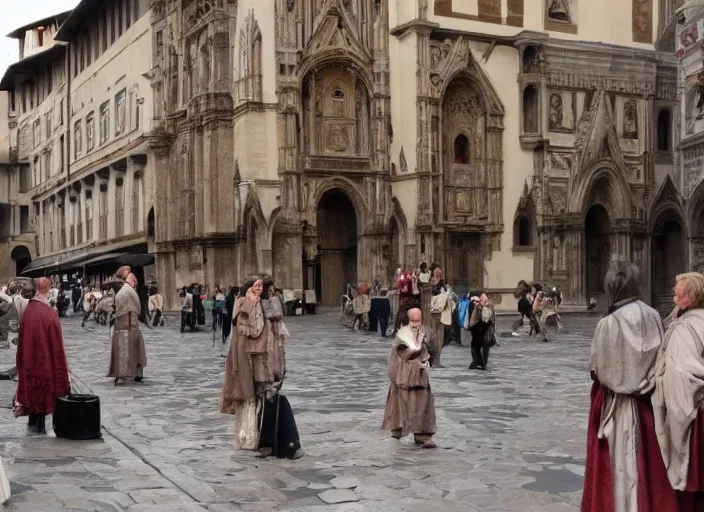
<point>510,439</point>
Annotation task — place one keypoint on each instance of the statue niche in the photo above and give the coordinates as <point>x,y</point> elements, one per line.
<point>464,152</point>
<point>336,113</point>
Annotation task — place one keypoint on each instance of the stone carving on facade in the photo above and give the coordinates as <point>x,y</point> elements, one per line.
<point>249,85</point>
<point>559,10</point>
<point>402,162</point>
<point>630,120</point>
<point>561,164</point>
<point>561,117</point>
<point>558,198</point>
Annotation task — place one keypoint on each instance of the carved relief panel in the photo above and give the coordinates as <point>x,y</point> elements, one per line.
<point>336,111</point>
<point>561,111</point>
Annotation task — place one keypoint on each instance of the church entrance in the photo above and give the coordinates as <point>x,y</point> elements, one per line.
<point>337,246</point>
<point>465,262</point>
<point>669,260</point>
<point>597,248</point>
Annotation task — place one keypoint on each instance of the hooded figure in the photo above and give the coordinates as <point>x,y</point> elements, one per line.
<point>624,469</point>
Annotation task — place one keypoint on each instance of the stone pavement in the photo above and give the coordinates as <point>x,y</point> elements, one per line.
<point>510,439</point>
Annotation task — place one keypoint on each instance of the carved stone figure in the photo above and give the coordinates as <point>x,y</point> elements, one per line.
<point>556,113</point>
<point>559,10</point>
<point>560,162</point>
<point>290,4</point>
<point>338,140</point>
<point>630,120</point>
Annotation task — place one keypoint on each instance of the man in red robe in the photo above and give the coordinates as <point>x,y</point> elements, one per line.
<point>624,470</point>
<point>42,369</point>
<point>678,401</point>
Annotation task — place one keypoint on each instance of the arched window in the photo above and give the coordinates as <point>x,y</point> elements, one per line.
<point>461,150</point>
<point>664,130</point>
<point>522,232</point>
<point>530,110</point>
<point>530,59</point>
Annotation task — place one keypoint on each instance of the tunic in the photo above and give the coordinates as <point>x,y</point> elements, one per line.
<point>677,403</point>
<point>624,470</point>
<point>410,407</point>
<point>42,369</point>
<point>127,361</point>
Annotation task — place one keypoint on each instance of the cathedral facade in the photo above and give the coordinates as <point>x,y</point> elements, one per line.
<point>334,141</point>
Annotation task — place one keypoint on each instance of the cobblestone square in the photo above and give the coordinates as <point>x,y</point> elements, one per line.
<point>510,439</point>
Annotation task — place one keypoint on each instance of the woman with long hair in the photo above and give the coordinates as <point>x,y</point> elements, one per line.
<point>255,370</point>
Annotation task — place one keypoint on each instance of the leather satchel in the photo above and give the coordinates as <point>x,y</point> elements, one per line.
<point>273,309</point>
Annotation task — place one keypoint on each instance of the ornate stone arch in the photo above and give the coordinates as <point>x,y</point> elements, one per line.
<point>695,211</point>
<point>335,40</point>
<point>668,244</point>
<point>348,187</point>
<point>253,208</point>
<point>667,201</point>
<point>476,78</point>
<point>582,190</point>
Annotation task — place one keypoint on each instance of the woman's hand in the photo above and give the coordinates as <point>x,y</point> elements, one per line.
<point>253,295</point>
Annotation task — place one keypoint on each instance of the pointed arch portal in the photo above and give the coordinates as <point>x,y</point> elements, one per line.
<point>669,257</point>
<point>337,246</point>
<point>597,248</point>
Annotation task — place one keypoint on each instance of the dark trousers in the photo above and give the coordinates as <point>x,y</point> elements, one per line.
<point>373,321</point>
<point>480,350</point>
<point>519,323</point>
<point>188,319</point>
<point>38,421</point>
<point>383,325</point>
<point>156,318</point>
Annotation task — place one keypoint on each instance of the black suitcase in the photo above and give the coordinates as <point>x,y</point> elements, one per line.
<point>77,417</point>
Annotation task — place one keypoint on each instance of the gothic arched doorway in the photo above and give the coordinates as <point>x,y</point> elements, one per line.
<point>21,257</point>
<point>597,245</point>
<point>337,246</point>
<point>669,259</point>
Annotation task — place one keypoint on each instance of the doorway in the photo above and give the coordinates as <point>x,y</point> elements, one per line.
<point>597,245</point>
<point>669,261</point>
<point>21,257</point>
<point>465,263</point>
<point>337,246</point>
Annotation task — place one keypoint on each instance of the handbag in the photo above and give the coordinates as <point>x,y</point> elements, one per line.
<point>77,417</point>
<point>273,309</point>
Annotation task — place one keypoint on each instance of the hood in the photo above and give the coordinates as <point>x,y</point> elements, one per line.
<point>640,324</point>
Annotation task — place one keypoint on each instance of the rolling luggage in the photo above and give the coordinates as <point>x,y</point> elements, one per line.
<point>77,417</point>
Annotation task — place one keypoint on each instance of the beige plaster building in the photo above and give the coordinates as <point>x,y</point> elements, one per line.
<point>31,103</point>
<point>331,141</point>
<point>81,130</point>
<point>681,225</point>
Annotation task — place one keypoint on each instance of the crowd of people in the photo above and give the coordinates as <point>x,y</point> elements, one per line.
<point>450,317</point>
<point>645,432</point>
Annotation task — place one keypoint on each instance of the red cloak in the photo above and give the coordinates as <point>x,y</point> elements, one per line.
<point>655,493</point>
<point>42,369</point>
<point>692,499</point>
